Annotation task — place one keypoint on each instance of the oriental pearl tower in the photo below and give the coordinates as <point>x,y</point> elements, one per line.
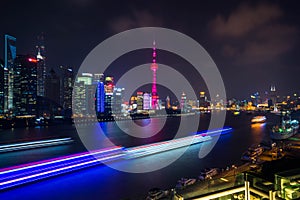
<point>154,67</point>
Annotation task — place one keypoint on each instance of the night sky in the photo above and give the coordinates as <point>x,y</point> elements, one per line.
<point>255,44</point>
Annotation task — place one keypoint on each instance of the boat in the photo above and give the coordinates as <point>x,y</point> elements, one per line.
<point>252,152</point>
<point>259,119</point>
<point>286,129</point>
<point>249,156</point>
<point>208,173</point>
<point>257,148</point>
<point>183,182</point>
<point>157,193</point>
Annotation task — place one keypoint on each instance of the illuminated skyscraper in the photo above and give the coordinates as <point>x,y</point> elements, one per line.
<point>168,102</point>
<point>10,55</point>
<point>25,85</point>
<point>1,86</point>
<point>183,103</point>
<point>109,84</point>
<point>146,101</point>
<point>118,100</point>
<point>139,101</point>
<point>41,65</point>
<point>100,96</point>
<point>273,95</point>
<point>100,93</point>
<point>203,100</point>
<point>109,95</point>
<point>154,68</point>
<point>98,78</point>
<point>79,106</point>
<point>66,85</point>
<point>88,98</point>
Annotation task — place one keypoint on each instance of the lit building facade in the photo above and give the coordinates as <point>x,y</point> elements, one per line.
<point>100,97</point>
<point>183,103</point>
<point>139,101</point>
<point>109,95</point>
<point>25,85</point>
<point>273,95</point>
<point>118,100</point>
<point>203,100</point>
<point>133,103</point>
<point>98,80</point>
<point>41,65</point>
<point>108,103</point>
<point>109,84</point>
<point>66,84</point>
<point>87,78</point>
<point>1,86</point>
<point>10,55</point>
<point>146,101</point>
<point>168,103</point>
<point>79,106</point>
<point>85,94</point>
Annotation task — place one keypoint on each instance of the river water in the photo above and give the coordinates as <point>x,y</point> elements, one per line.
<point>103,182</point>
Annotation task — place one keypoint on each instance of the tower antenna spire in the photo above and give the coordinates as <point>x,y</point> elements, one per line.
<point>154,68</point>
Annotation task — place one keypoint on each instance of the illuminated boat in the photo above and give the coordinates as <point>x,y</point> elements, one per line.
<point>208,173</point>
<point>157,193</point>
<point>183,182</point>
<point>252,153</point>
<point>259,119</point>
<point>286,129</point>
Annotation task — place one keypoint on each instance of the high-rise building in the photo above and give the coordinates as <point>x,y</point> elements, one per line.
<point>100,97</point>
<point>273,95</point>
<point>203,100</point>
<point>133,103</point>
<point>52,86</point>
<point>109,95</point>
<point>87,78</point>
<point>109,84</point>
<point>168,102</point>
<point>66,85</point>
<point>108,103</point>
<point>10,55</point>
<point>1,86</point>
<point>41,65</point>
<point>139,101</point>
<point>98,78</point>
<point>118,100</point>
<point>89,101</point>
<point>79,103</point>
<point>183,103</point>
<point>25,85</point>
<point>154,68</point>
<point>146,101</point>
<point>85,98</point>
<point>100,93</point>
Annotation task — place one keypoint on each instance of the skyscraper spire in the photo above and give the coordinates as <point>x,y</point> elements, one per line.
<point>41,67</point>
<point>154,68</point>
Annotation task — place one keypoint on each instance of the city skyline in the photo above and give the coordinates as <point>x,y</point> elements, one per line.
<point>150,99</point>
<point>254,44</point>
